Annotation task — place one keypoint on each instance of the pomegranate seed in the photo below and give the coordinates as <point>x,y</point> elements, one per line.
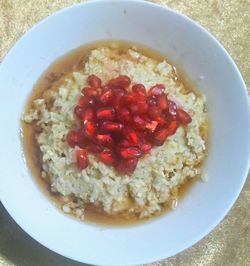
<point>131,135</point>
<point>160,136</point>
<point>124,115</point>
<point>94,81</point>
<point>139,89</point>
<point>105,113</point>
<point>83,101</point>
<point>111,126</point>
<point>89,92</point>
<point>139,122</point>
<point>142,107</point>
<point>104,139</point>
<point>152,100</point>
<point>163,102</point>
<point>125,143</point>
<point>146,147</point>
<point>82,159</point>
<point>157,89</point>
<point>107,157</point>
<point>161,120</point>
<point>122,81</point>
<point>172,107</point>
<point>134,108</point>
<point>183,117</point>
<point>106,96</point>
<point>88,115</point>
<point>172,127</point>
<point>130,165</point>
<point>73,138</point>
<point>95,147</point>
<point>154,112</point>
<point>152,126</point>
<point>89,129</point>
<point>78,111</point>
<point>133,98</point>
<point>130,152</point>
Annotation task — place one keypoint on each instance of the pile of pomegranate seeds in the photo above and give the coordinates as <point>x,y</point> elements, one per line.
<point>120,123</point>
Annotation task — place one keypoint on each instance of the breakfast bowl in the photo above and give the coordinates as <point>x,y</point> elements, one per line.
<point>208,67</point>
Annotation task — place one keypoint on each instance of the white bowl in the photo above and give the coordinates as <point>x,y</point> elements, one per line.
<point>206,63</point>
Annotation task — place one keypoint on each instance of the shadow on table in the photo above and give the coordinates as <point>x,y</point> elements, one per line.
<point>20,249</point>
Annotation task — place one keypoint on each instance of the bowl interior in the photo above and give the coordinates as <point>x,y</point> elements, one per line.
<point>203,60</point>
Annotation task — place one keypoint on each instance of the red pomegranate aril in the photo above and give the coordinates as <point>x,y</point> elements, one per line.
<point>139,122</point>
<point>160,136</point>
<point>163,102</point>
<point>81,159</point>
<point>146,147</point>
<point>89,92</point>
<point>107,157</point>
<point>95,147</point>
<point>183,117</point>
<point>152,100</point>
<point>79,111</point>
<point>88,114</point>
<point>157,89</point>
<point>154,112</point>
<point>172,127</point>
<point>161,120</point>
<point>83,101</point>
<point>131,135</point>
<point>106,96</point>
<point>134,108</point>
<point>130,165</point>
<point>172,107</point>
<point>122,81</point>
<point>139,89</point>
<point>105,139</point>
<point>130,152</point>
<point>133,98</point>
<point>73,138</point>
<point>105,113</point>
<point>111,126</point>
<point>125,143</point>
<point>94,81</point>
<point>89,129</point>
<point>152,126</point>
<point>124,115</point>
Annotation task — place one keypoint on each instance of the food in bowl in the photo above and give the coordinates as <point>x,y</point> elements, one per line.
<point>116,133</point>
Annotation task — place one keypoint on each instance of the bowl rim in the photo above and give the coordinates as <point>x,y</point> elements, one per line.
<point>246,98</point>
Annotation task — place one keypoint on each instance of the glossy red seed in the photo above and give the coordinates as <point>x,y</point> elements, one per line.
<point>89,92</point>
<point>122,81</point>
<point>111,126</point>
<point>160,136</point>
<point>124,115</point>
<point>146,147</point>
<point>130,165</point>
<point>142,107</point>
<point>130,152</point>
<point>131,135</point>
<point>105,139</point>
<point>172,107</point>
<point>125,143</point>
<point>79,111</point>
<point>133,107</point>
<point>106,96</point>
<point>73,138</point>
<point>154,112</point>
<point>152,100</point>
<point>151,126</point>
<point>88,114</point>
<point>139,122</point>
<point>183,117</point>
<point>163,102</point>
<point>83,102</point>
<point>81,159</point>
<point>107,157</point>
<point>157,89</point>
<point>172,127</point>
<point>105,113</point>
<point>139,89</point>
<point>94,81</point>
<point>161,120</point>
<point>133,98</point>
<point>89,129</point>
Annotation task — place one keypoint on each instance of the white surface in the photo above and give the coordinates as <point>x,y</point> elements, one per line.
<point>199,54</point>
